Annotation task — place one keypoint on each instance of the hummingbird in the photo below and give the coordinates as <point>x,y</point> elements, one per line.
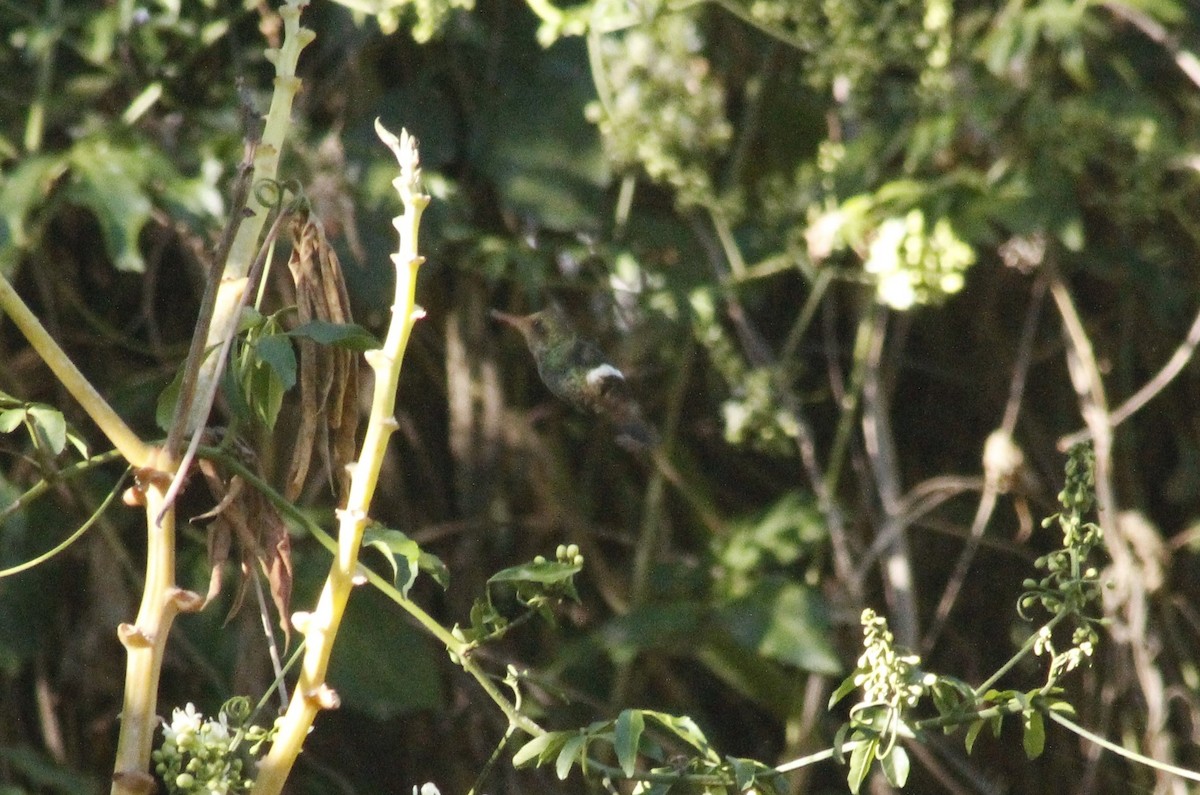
<point>577,371</point>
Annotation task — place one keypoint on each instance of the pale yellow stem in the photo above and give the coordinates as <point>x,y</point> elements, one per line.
<point>145,641</point>
<point>135,451</point>
<point>245,244</point>
<point>320,627</point>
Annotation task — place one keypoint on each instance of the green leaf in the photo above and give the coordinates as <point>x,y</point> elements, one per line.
<point>1034,739</point>
<point>1168,12</point>
<point>108,181</point>
<point>394,545</point>
<point>275,350</point>
<point>51,424</point>
<point>627,736</point>
<point>536,749</point>
<point>44,773</point>
<point>973,734</point>
<point>777,536</point>
<point>685,729</point>
<point>22,191</point>
<point>860,763</point>
<point>573,750</point>
<point>382,666</point>
<point>1062,708</point>
<point>546,572</point>
<point>839,742</point>
<point>844,689</point>
<point>343,335</point>
<point>784,621</point>
<point>896,766</point>
<point>11,419</point>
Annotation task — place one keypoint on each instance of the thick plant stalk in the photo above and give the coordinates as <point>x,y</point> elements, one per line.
<point>320,627</point>
<point>266,165</point>
<point>146,639</point>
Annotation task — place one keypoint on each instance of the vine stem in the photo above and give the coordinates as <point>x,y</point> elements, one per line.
<point>1133,756</point>
<point>455,647</point>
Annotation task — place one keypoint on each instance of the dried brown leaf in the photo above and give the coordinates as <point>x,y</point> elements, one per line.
<point>328,375</point>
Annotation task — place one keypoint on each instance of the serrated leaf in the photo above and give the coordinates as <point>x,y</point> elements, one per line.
<point>896,766</point>
<point>344,335</point>
<point>627,736</point>
<point>1034,739</point>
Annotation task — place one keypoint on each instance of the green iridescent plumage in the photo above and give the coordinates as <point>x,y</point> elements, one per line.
<point>576,371</point>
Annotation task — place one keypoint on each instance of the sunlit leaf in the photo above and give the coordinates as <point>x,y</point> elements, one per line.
<point>572,752</point>
<point>860,763</point>
<point>627,735</point>
<point>51,425</point>
<point>535,748</point>
<point>1034,737</point>
<point>546,572</point>
<point>896,766</point>
<point>973,734</point>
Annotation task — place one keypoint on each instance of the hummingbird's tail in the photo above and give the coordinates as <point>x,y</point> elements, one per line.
<point>634,433</point>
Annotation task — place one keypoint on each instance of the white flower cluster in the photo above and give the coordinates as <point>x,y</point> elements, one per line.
<point>197,756</point>
<point>915,265</point>
<point>886,676</point>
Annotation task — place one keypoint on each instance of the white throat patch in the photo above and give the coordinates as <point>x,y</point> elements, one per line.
<point>601,372</point>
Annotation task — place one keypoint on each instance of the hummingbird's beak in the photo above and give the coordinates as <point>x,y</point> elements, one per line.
<point>519,322</point>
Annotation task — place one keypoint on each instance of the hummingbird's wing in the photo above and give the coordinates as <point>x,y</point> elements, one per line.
<point>611,397</point>
<point>579,373</point>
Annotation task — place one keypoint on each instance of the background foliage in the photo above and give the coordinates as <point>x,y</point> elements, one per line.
<point>819,237</point>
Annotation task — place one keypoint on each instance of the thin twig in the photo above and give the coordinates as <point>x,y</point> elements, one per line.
<point>191,366</point>
<point>1173,367</point>
<point>1133,624</point>
<point>210,394</point>
<point>881,452</point>
<point>992,478</point>
<point>1186,60</point>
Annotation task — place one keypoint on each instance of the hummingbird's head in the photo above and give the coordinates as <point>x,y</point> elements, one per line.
<point>541,330</point>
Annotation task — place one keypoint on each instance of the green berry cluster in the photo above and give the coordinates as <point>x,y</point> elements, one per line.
<point>913,264</point>
<point>1071,583</point>
<point>200,756</point>
<point>887,677</point>
<point>665,111</point>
